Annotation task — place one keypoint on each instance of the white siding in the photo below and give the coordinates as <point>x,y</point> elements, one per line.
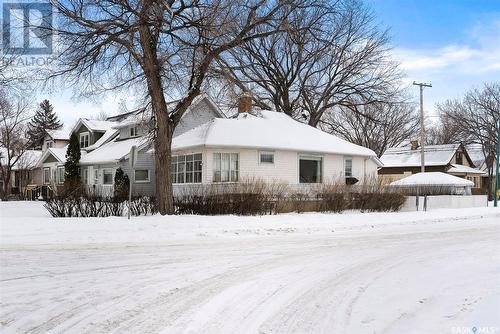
<point>285,167</point>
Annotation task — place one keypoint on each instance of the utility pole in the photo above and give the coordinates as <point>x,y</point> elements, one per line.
<point>422,128</point>
<point>497,159</point>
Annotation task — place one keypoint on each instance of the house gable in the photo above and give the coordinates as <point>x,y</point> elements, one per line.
<point>461,157</point>
<point>200,113</point>
<point>49,158</point>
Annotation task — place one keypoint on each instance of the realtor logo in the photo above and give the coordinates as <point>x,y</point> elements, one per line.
<point>27,28</point>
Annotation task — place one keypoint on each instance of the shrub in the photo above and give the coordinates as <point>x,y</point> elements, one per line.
<point>249,197</point>
<point>121,184</point>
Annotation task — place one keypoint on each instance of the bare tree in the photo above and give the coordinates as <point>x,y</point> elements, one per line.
<point>165,46</point>
<point>13,142</point>
<point>330,54</point>
<point>377,126</point>
<point>445,130</point>
<point>474,119</point>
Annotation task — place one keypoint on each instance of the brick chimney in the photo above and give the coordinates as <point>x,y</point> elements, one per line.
<point>414,144</point>
<point>245,103</point>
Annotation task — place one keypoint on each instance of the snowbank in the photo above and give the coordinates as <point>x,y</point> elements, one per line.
<point>424,272</point>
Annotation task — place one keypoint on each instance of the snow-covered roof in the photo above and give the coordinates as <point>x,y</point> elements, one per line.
<point>104,139</point>
<point>113,151</point>
<point>435,155</point>
<point>461,169</point>
<point>476,154</point>
<point>28,160</point>
<point>269,130</point>
<point>432,179</point>
<point>94,125</point>
<point>62,134</point>
<point>98,125</point>
<point>57,152</point>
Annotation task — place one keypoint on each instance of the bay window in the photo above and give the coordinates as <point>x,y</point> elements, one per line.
<point>187,168</point>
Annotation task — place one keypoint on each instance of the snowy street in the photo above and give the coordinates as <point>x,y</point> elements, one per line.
<point>412,272</point>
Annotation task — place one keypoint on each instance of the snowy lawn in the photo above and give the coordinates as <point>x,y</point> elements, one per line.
<point>414,272</point>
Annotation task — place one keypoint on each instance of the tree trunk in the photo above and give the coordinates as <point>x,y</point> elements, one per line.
<point>163,159</point>
<point>164,130</point>
<point>163,147</point>
<point>6,186</point>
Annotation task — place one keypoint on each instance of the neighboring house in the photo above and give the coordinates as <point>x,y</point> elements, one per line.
<point>479,159</point>
<point>23,172</point>
<point>56,138</point>
<point>268,146</point>
<point>453,159</point>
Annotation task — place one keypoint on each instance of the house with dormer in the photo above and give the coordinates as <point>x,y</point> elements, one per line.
<point>105,145</point>
<point>454,159</point>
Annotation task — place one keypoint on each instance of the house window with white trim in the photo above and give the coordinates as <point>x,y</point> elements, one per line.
<point>84,139</point>
<point>348,167</point>
<point>133,131</point>
<point>60,175</point>
<point>107,176</point>
<point>141,175</point>
<point>310,169</point>
<point>46,175</point>
<point>266,157</point>
<point>49,144</point>
<point>226,167</point>
<point>186,168</point>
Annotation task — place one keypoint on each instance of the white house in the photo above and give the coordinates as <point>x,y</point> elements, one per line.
<point>269,146</point>
<point>210,148</point>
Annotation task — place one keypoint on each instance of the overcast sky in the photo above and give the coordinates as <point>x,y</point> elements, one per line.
<point>454,44</point>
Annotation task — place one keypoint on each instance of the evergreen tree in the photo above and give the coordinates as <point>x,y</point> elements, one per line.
<point>122,183</point>
<point>45,119</point>
<point>71,174</point>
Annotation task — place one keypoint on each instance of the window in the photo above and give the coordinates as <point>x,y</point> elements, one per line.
<point>133,131</point>
<point>60,174</point>
<point>96,176</point>
<point>141,175</point>
<point>46,175</point>
<point>84,139</point>
<point>266,157</point>
<point>348,166</point>
<point>310,169</point>
<point>85,175</point>
<point>107,176</point>
<point>186,168</point>
<point>49,144</point>
<point>474,179</point>
<point>459,159</point>
<point>226,167</point>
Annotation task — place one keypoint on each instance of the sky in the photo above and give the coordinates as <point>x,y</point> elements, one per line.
<point>452,44</point>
